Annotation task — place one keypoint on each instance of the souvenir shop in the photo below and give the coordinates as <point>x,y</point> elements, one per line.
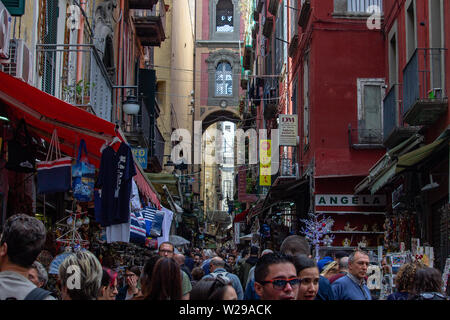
<point>76,173</point>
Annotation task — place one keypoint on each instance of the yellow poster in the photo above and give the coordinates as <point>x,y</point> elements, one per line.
<point>265,148</point>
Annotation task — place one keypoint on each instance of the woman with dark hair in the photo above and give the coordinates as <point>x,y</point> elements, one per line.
<point>428,285</point>
<point>197,274</point>
<point>108,287</point>
<point>404,281</point>
<point>308,273</point>
<point>165,281</point>
<point>217,288</point>
<point>146,275</point>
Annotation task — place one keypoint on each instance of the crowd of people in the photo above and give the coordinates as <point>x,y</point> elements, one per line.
<point>200,274</point>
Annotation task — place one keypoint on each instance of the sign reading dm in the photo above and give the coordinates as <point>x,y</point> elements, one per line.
<point>288,129</point>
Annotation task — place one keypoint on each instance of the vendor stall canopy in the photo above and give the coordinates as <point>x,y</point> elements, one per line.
<point>43,113</point>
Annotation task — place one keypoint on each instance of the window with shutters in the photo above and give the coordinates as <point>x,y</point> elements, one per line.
<point>49,37</point>
<point>370,111</point>
<point>15,7</point>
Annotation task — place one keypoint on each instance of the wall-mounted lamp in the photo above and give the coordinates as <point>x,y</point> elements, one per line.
<point>131,105</point>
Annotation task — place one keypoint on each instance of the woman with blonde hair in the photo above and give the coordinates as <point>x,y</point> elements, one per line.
<point>80,275</point>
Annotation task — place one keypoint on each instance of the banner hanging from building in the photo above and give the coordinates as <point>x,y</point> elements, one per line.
<point>265,154</point>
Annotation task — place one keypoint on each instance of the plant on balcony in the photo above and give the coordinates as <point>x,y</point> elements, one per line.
<point>78,93</point>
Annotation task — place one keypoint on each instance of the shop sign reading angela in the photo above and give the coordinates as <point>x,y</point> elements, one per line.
<point>328,200</point>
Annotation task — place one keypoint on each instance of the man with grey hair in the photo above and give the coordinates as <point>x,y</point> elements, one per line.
<point>217,266</point>
<point>353,286</point>
<point>21,241</point>
<point>343,269</point>
<point>80,275</point>
<point>37,274</point>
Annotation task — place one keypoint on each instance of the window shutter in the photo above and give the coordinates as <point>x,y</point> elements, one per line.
<point>15,7</point>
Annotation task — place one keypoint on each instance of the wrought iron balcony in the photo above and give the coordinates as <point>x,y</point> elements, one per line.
<point>150,24</point>
<point>424,96</point>
<point>365,138</point>
<point>76,74</point>
<point>394,130</point>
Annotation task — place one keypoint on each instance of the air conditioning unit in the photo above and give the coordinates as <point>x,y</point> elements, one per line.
<point>21,64</point>
<point>5,31</point>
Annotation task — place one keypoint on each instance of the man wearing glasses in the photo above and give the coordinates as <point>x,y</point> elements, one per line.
<point>276,277</point>
<point>166,249</point>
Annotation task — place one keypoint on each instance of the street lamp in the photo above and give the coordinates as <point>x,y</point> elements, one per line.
<point>131,105</point>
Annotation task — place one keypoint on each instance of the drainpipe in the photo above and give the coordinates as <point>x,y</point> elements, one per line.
<point>80,40</point>
<point>119,66</point>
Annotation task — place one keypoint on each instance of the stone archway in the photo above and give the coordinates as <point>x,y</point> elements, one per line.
<point>215,114</point>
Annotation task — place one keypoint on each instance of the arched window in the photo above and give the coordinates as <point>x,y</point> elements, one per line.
<point>224,79</point>
<point>224,16</point>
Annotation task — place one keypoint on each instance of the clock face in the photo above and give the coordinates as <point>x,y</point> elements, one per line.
<point>223,103</point>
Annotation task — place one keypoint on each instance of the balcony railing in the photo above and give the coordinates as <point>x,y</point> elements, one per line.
<point>76,74</point>
<point>158,145</point>
<point>363,6</point>
<point>150,24</point>
<point>390,111</point>
<point>361,138</point>
<point>424,96</point>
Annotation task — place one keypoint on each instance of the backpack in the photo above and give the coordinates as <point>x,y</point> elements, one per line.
<point>37,294</point>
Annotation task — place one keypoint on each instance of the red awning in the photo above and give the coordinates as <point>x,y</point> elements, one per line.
<point>241,216</point>
<point>43,113</point>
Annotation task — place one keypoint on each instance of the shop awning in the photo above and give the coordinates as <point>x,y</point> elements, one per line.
<point>43,113</point>
<point>405,161</point>
<point>241,216</point>
<point>381,171</point>
<point>159,180</point>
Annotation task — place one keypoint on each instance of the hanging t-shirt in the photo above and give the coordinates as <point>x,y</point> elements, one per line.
<point>118,232</point>
<point>115,179</point>
<point>135,202</point>
<point>167,222</point>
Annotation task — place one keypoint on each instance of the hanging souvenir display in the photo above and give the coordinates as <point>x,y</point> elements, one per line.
<point>54,174</point>
<point>316,227</point>
<point>21,151</point>
<point>83,176</point>
<point>72,237</point>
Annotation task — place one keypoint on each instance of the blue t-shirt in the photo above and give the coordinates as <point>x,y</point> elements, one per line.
<point>116,171</point>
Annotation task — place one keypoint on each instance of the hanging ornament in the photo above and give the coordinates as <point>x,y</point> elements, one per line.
<point>86,220</point>
<point>70,221</point>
